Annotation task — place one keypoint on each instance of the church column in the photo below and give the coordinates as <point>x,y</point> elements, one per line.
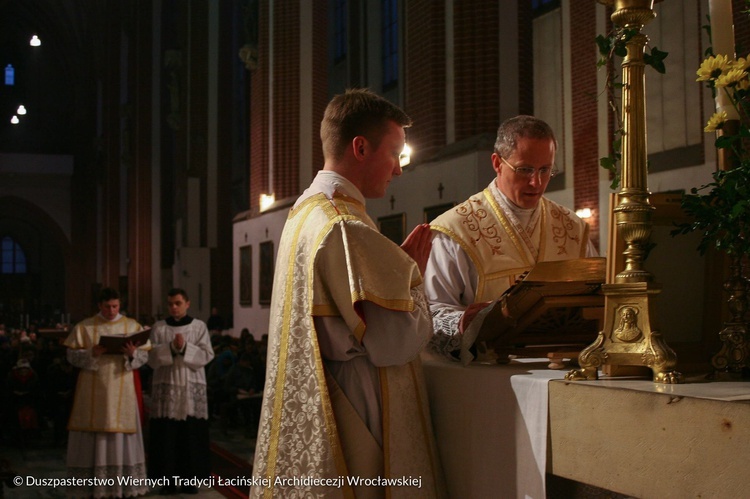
<point>140,264</point>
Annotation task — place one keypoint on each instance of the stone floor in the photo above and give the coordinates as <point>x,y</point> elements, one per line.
<point>40,458</point>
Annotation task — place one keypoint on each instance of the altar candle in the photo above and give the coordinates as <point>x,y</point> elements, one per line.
<point>722,39</point>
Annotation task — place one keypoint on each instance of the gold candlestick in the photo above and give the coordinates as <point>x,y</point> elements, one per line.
<point>630,335</point>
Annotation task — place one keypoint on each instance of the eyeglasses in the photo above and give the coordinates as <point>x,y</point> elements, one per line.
<point>529,172</point>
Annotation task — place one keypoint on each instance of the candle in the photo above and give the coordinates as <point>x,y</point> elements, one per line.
<point>722,39</point>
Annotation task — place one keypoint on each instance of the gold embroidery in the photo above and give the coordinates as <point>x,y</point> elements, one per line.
<point>563,229</point>
<point>500,215</point>
<point>278,402</point>
<point>473,220</point>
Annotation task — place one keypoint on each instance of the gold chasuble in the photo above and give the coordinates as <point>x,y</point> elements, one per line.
<point>105,398</point>
<point>330,258</point>
<point>500,250</point>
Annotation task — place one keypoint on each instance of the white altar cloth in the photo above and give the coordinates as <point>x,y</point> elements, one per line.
<point>491,426</point>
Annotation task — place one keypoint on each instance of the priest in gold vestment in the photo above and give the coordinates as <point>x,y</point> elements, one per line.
<point>105,440</point>
<point>345,411</point>
<point>482,245</point>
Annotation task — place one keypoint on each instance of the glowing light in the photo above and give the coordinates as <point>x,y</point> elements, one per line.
<point>35,41</point>
<point>15,120</point>
<point>21,110</point>
<point>405,157</point>
<point>584,213</point>
<point>266,200</point>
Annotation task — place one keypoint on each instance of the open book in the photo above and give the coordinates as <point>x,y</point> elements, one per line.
<point>547,307</point>
<point>114,343</point>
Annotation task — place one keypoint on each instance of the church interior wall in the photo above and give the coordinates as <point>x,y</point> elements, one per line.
<point>430,184</point>
<point>43,180</point>
<point>253,314</point>
<point>192,272</point>
<point>48,259</point>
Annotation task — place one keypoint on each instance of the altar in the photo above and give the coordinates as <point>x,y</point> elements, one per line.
<point>491,425</point>
<point>500,428</point>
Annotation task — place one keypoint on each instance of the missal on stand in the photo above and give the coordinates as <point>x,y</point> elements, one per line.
<point>554,306</point>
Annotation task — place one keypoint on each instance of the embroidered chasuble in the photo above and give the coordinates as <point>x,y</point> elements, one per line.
<point>502,247</point>
<point>105,397</point>
<point>331,258</point>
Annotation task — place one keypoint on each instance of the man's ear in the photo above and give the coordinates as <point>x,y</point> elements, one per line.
<point>358,145</point>
<point>496,162</point>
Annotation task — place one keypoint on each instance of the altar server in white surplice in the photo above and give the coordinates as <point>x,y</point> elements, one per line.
<point>483,244</point>
<point>178,430</point>
<point>105,439</point>
<point>344,395</point>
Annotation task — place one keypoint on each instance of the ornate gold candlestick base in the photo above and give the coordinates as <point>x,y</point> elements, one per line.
<point>628,337</point>
<point>731,361</point>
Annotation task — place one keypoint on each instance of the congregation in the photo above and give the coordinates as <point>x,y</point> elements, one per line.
<point>38,384</point>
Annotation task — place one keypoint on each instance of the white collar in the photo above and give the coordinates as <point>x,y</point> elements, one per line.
<point>328,182</point>
<point>117,317</point>
<point>521,213</point>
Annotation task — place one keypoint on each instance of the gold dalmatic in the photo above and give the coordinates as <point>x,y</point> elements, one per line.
<point>299,436</point>
<point>105,398</point>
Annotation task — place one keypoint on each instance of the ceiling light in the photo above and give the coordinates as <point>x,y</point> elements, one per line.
<point>14,120</point>
<point>35,41</point>
<point>21,110</point>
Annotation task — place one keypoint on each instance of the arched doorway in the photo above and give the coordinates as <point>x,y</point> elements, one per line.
<point>34,260</point>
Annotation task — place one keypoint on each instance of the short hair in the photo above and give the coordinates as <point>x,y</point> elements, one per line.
<point>521,126</point>
<point>357,111</point>
<point>108,294</point>
<point>178,291</point>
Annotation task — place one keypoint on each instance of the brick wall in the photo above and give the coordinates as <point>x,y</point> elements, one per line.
<point>425,76</point>
<point>286,98</point>
<point>585,144</point>
<point>477,71</point>
<point>319,80</point>
<point>259,114</point>
<point>741,28</point>
<point>526,59</point>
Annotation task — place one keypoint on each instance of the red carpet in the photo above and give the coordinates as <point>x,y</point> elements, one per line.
<point>229,467</point>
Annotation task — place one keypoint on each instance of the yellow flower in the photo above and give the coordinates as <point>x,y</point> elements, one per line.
<point>716,121</point>
<point>712,67</point>
<point>742,64</point>
<point>731,78</point>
